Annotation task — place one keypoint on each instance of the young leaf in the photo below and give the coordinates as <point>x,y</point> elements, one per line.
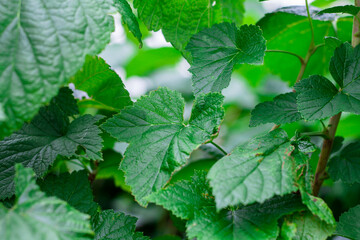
<point>160,142</point>
<point>43,43</point>
<point>318,98</point>
<point>180,19</point>
<point>305,226</point>
<point>36,216</point>
<point>48,135</point>
<point>346,165</point>
<point>282,110</point>
<point>102,84</point>
<point>216,50</point>
<point>349,225</point>
<point>73,188</point>
<point>110,225</point>
<point>129,18</point>
<point>255,171</point>
<point>350,9</point>
<point>288,29</point>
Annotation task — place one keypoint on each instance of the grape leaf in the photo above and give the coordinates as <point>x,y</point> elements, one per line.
<point>129,18</point>
<point>350,9</point>
<point>115,225</point>
<point>180,19</point>
<point>160,141</point>
<point>73,188</point>
<point>254,171</point>
<point>216,50</point>
<point>43,43</point>
<point>346,165</point>
<point>305,226</point>
<point>318,98</point>
<point>102,84</point>
<point>192,200</point>
<point>282,110</point>
<point>36,216</point>
<point>48,135</point>
<point>349,225</point>
<point>288,29</point>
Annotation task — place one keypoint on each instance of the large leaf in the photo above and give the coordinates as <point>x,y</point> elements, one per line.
<point>73,188</point>
<point>282,109</point>
<point>349,225</point>
<point>180,19</point>
<point>288,29</point>
<point>42,44</point>
<point>254,171</point>
<point>111,225</point>
<point>160,140</point>
<point>48,135</point>
<point>216,50</point>
<point>36,216</point>
<point>102,84</point>
<point>350,9</point>
<point>346,165</point>
<point>318,98</point>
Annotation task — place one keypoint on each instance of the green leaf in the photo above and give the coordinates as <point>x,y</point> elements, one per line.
<point>43,43</point>
<point>305,226</point>
<point>349,225</point>
<point>160,141</point>
<point>254,171</point>
<point>350,9</point>
<point>48,135</point>
<point>115,225</point>
<point>180,19</point>
<point>318,98</point>
<point>288,29</point>
<point>129,18</point>
<point>282,110</point>
<point>332,43</point>
<point>73,188</point>
<point>102,84</point>
<point>346,165</point>
<point>36,216</point>
<point>216,50</point>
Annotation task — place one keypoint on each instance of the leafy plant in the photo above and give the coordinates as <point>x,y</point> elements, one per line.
<point>64,112</point>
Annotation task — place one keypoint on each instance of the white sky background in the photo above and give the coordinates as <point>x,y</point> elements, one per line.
<point>274,4</point>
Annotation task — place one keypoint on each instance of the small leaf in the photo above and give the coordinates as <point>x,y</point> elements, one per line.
<point>282,110</point>
<point>36,216</point>
<point>350,9</point>
<point>346,165</point>
<point>160,141</point>
<point>216,50</point>
<point>254,171</point>
<point>73,188</point>
<point>48,135</point>
<point>349,225</point>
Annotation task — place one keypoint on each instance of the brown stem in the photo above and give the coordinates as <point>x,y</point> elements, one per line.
<point>333,124</point>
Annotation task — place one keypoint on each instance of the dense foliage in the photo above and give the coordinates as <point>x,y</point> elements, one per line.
<point>69,128</point>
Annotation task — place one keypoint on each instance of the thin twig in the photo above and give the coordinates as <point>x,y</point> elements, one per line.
<point>218,147</point>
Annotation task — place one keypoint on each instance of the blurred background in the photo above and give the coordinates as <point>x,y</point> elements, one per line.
<point>156,64</point>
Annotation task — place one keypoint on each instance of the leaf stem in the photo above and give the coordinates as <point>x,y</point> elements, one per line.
<point>315,134</point>
<point>312,44</point>
<point>287,52</point>
<point>218,147</point>
<point>333,124</point>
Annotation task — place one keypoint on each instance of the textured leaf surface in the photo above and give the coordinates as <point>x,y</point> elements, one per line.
<point>349,225</point>
<point>346,166</point>
<point>255,171</point>
<point>306,227</point>
<point>48,135</point>
<point>112,225</point>
<point>102,84</point>
<point>288,29</point>
<point>36,216</point>
<point>73,188</point>
<point>282,110</point>
<point>318,98</point>
<point>160,142</point>
<point>180,19</point>
<point>42,44</point>
<point>350,9</point>
<point>216,50</point>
